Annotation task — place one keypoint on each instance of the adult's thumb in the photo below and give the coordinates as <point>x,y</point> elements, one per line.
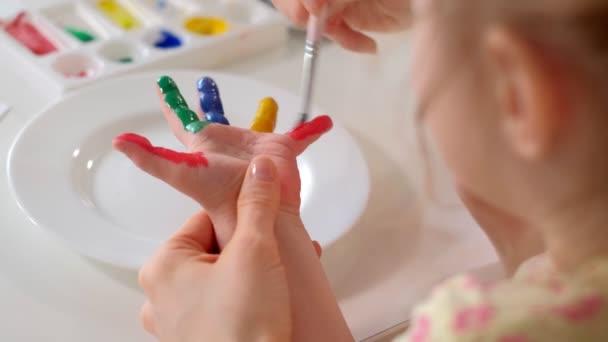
<point>259,199</point>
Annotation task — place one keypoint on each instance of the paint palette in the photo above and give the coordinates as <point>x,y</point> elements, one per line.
<point>75,43</point>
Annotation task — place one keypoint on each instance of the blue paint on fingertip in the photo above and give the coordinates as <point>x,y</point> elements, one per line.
<point>217,118</point>
<point>211,103</point>
<point>210,100</point>
<point>207,85</point>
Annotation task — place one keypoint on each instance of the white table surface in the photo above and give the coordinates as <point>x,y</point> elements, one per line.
<point>386,263</point>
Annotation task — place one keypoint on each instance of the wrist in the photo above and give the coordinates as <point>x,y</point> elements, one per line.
<point>315,311</point>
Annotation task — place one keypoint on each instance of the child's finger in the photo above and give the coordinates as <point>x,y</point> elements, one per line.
<point>174,123</point>
<point>180,170</point>
<point>217,118</point>
<point>307,133</point>
<point>211,101</point>
<point>183,121</point>
<point>188,174</point>
<point>265,119</point>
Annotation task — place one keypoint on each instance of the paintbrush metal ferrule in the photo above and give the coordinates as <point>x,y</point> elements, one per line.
<point>308,75</point>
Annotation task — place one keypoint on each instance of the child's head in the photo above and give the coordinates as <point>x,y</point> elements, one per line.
<point>516,96</point>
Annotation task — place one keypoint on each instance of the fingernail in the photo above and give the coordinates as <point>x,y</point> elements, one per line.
<point>263,169</point>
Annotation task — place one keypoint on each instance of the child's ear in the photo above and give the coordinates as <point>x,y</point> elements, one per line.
<point>526,91</point>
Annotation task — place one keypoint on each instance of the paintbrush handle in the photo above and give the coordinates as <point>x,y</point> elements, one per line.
<point>314,34</point>
<point>308,75</point>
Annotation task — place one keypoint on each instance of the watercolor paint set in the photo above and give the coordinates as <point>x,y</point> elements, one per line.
<point>78,42</point>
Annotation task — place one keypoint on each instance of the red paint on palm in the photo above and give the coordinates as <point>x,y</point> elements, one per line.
<point>318,125</point>
<point>190,159</point>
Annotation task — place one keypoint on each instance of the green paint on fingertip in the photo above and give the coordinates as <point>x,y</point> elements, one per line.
<point>174,100</point>
<point>166,84</point>
<point>197,126</point>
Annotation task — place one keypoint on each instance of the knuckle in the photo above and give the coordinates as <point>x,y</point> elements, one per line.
<point>153,273</point>
<point>254,240</point>
<point>144,278</point>
<point>254,199</point>
<point>146,319</point>
<point>256,247</point>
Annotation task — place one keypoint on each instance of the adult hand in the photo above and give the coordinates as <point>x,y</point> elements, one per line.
<point>214,180</point>
<point>219,156</point>
<point>239,295</point>
<point>348,19</point>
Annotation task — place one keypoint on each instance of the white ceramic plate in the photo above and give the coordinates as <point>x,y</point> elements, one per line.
<point>67,178</point>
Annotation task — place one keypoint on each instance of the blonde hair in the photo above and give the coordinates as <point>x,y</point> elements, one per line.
<point>574,30</point>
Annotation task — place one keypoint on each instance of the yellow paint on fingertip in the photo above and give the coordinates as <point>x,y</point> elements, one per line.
<point>119,14</point>
<point>206,26</point>
<point>265,119</point>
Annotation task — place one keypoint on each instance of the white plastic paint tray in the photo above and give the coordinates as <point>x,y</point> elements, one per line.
<point>252,27</point>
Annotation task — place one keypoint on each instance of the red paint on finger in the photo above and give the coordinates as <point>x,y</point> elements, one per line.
<point>190,159</point>
<point>318,125</point>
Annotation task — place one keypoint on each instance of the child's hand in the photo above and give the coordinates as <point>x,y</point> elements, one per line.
<point>348,18</point>
<point>214,180</point>
<point>212,172</point>
<point>238,295</point>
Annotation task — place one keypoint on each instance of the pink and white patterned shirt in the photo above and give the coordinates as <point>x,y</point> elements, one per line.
<point>538,304</point>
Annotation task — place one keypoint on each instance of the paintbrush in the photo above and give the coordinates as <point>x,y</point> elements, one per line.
<point>314,34</point>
